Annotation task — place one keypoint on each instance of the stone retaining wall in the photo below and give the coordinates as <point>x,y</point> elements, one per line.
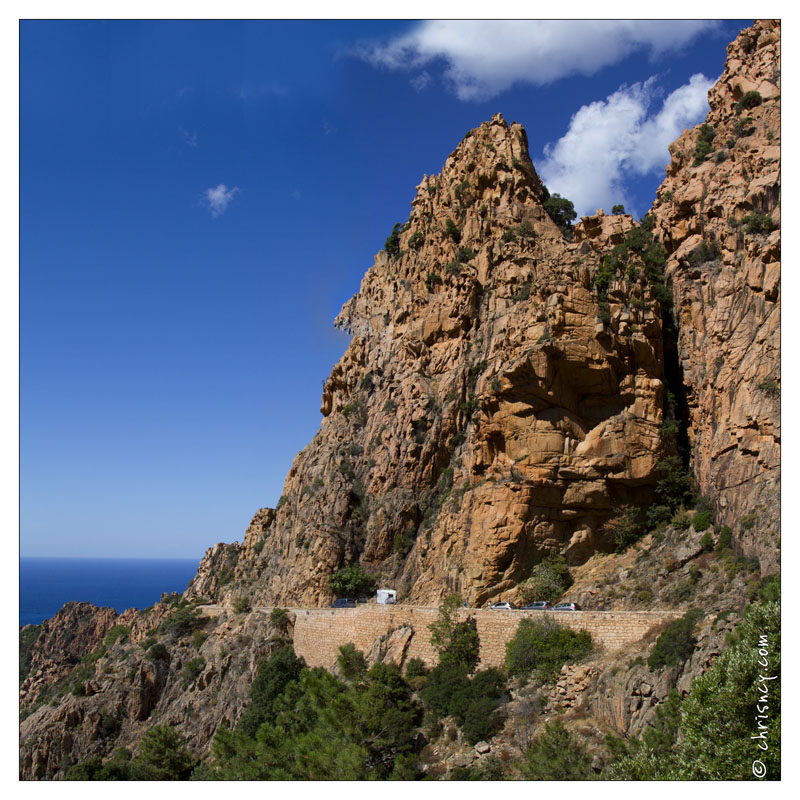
<point>319,632</point>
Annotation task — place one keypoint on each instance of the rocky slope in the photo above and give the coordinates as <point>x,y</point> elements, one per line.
<point>495,404</point>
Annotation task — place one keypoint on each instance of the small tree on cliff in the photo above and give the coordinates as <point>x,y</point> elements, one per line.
<point>352,581</point>
<point>455,642</point>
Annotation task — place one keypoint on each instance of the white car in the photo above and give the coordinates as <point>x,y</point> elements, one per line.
<point>501,606</point>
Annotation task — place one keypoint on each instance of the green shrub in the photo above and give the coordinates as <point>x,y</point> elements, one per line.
<point>389,406</point>
<point>744,127</point>
<point>273,676</point>
<point>625,528</point>
<point>461,191</point>
<point>279,619</point>
<point>707,542</point>
<point>542,647</point>
<point>351,581</point>
<point>509,235</point>
<point>416,240</point>
<point>415,668</point>
<point>181,623</point>
<point>432,280</point>
<point>704,144</point>
<point>705,252</point>
<point>549,579</point>
<point>352,663</point>
<point>750,100</point>
<point>561,211</point>
<point>241,605</point>
<point>465,254</point>
<point>455,642</point>
<point>676,643</point>
<point>525,229</point>
<point>192,669</point>
<point>758,223</point>
<point>447,690</point>
<point>557,756</point>
<point>452,230</point>
<point>392,244</point>
<point>469,406</point>
<point>116,633</point>
<point>161,749</point>
<point>725,540</point>
<point>158,652</point>
<point>681,521</point>
<point>769,589</point>
<point>618,209</point>
<point>701,521</point>
<point>198,637</point>
<point>748,521</point>
<point>480,721</point>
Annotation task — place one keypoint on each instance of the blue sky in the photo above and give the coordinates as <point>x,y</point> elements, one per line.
<point>198,199</point>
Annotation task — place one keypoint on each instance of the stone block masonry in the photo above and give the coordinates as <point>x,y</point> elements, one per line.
<point>318,632</point>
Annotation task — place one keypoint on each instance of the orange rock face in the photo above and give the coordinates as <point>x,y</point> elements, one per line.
<point>728,295</point>
<point>486,411</point>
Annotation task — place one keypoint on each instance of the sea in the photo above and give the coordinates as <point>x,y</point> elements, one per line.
<point>45,584</point>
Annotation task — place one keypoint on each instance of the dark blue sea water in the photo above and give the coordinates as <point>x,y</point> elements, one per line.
<point>47,583</point>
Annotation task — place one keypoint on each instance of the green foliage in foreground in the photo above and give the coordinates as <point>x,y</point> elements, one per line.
<point>322,728</point>
<point>557,756</point>
<point>542,647</point>
<point>471,702</point>
<point>162,757</point>
<point>269,683</point>
<point>676,643</point>
<point>714,738</point>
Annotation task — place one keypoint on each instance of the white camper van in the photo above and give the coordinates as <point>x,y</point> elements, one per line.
<point>387,597</point>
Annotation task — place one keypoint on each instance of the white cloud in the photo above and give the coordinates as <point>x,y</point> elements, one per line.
<point>485,57</point>
<point>218,199</point>
<point>616,138</point>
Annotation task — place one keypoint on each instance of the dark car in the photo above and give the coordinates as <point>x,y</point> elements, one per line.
<point>538,605</point>
<point>566,607</point>
<point>344,602</point>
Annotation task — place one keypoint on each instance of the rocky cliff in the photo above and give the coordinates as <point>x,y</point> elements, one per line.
<point>718,214</point>
<point>492,406</point>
